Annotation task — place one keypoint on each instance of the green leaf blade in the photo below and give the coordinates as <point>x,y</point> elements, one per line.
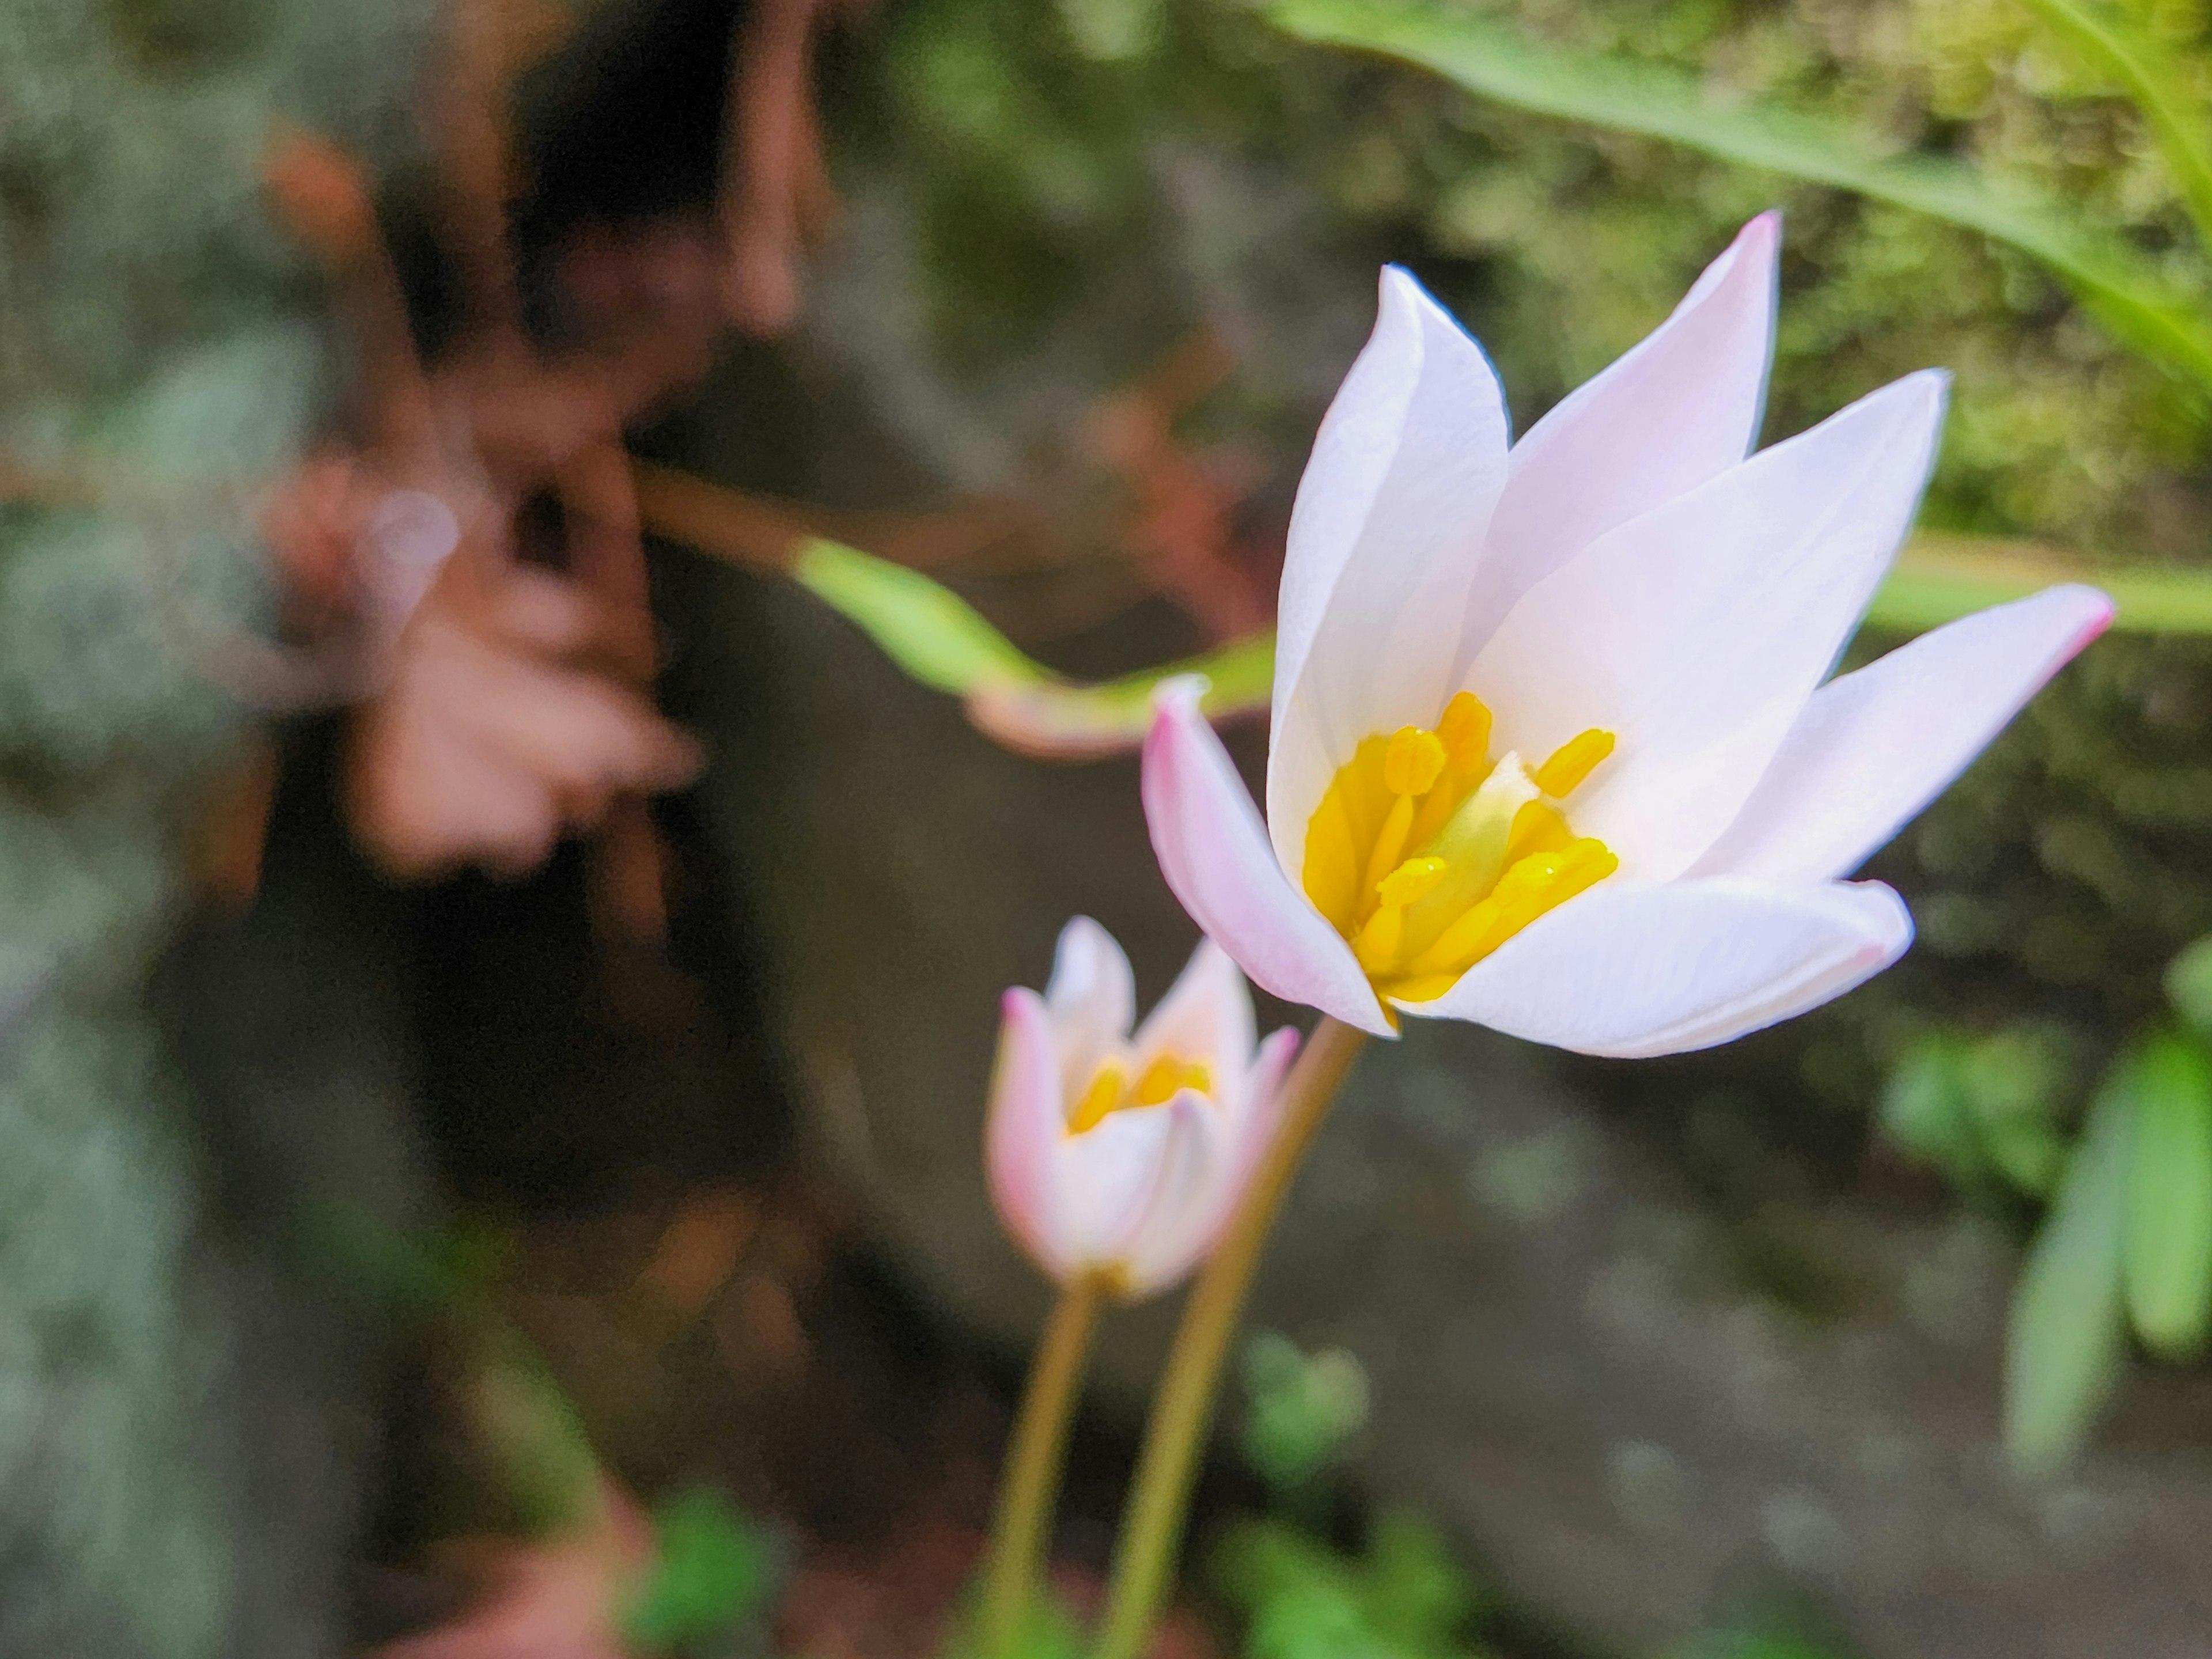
<point>2117,283</point>
<point>2169,1236</point>
<point>923,626</point>
<point>2145,69</point>
<point>2066,1337</point>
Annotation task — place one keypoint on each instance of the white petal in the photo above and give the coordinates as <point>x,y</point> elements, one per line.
<point>1213,851</point>
<point>1697,632</point>
<point>1092,1000</point>
<point>1633,971</point>
<point>1681,407</point>
<point>1027,1117</point>
<point>1874,747</point>
<point>1106,1180</point>
<point>1190,1201</point>
<point>1384,541</point>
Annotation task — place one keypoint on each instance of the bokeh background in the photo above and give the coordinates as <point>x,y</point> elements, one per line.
<point>1707,1352</point>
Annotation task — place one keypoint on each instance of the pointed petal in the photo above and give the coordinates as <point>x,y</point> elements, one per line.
<point>1092,1000</point>
<point>1026,1117</point>
<point>1678,409</point>
<point>1206,1016</point>
<point>1633,971</point>
<point>1697,632</point>
<point>1874,747</point>
<point>1384,541</point>
<point>1213,851</point>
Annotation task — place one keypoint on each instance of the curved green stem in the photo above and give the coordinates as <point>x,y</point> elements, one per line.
<point>1152,1528</point>
<point>1020,1527</point>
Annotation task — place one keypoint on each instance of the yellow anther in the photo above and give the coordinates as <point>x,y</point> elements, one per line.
<point>1413,761</point>
<point>1573,761</point>
<point>1167,1077</point>
<point>1333,863</point>
<point>1104,1095</point>
<point>1538,827</point>
<point>1376,946</point>
<point>1539,883</point>
<point>1465,732</point>
<point>1410,880</point>
<point>1389,846</point>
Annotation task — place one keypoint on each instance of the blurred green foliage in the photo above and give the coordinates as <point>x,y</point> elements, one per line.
<point>713,1570</point>
<point>1300,1411</point>
<point>1403,1597</point>
<point>2126,1245</point>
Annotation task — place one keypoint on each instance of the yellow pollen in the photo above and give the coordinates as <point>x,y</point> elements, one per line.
<point>1413,761</point>
<point>1104,1095</point>
<point>1410,880</point>
<point>1465,732</point>
<point>1426,856</point>
<point>1574,759</point>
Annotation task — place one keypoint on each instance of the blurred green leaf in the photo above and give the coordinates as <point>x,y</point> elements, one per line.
<point>1300,1409</point>
<point>1496,60</point>
<point>2169,1236</point>
<point>942,640</point>
<point>1407,1598</point>
<point>2189,984</point>
<point>713,1570</point>
<point>2064,1349</point>
<point>923,626</point>
<point>2147,70</point>
<point>1923,1106</point>
<point>1941,576</point>
<point>1417,1592</point>
<point>2014,1080</point>
<point>1051,1630</point>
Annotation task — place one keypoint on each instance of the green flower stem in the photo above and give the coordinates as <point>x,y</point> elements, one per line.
<point>1152,1528</point>
<point>1031,1483</point>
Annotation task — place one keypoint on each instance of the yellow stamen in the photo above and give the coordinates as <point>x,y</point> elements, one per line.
<point>1473,846</point>
<point>1410,880</point>
<point>1426,857</point>
<point>1341,833</point>
<point>1377,944</point>
<point>1465,732</point>
<point>1538,827</point>
<point>1538,884</point>
<point>1413,761</point>
<point>1168,1076</point>
<point>1333,862</point>
<point>1573,761</point>
<point>1104,1095</point>
<point>1390,845</point>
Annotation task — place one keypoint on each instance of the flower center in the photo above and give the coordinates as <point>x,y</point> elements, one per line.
<point>1111,1089</point>
<point>1426,855</point>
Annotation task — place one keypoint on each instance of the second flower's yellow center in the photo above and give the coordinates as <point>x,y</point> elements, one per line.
<point>1111,1089</point>
<point>1427,856</point>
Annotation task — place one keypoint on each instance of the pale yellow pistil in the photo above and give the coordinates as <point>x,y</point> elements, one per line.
<point>1427,856</point>
<point>1111,1091</point>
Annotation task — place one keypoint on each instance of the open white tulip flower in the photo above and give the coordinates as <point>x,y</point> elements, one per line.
<point>1551,749</point>
<point>1118,1155</point>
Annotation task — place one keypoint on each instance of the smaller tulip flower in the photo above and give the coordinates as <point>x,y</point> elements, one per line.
<point>1123,1156</point>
